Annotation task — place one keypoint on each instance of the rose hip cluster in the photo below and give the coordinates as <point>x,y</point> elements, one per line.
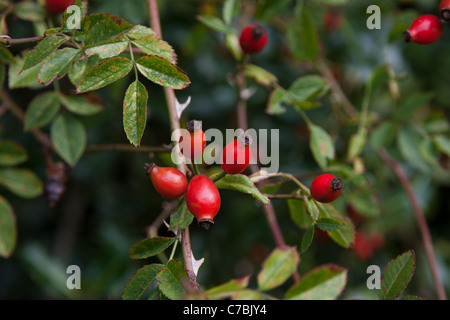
<point>202,195</point>
<point>428,28</point>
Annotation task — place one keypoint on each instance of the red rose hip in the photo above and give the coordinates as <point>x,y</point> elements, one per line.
<point>203,200</point>
<point>167,181</point>
<point>444,9</point>
<point>195,142</point>
<point>425,29</point>
<point>57,6</point>
<point>326,188</point>
<point>253,39</point>
<point>236,155</point>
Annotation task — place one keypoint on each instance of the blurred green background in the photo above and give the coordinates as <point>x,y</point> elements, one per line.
<point>110,202</point>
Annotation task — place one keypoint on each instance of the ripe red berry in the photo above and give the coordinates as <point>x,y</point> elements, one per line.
<point>194,144</point>
<point>203,200</point>
<point>444,9</point>
<point>365,245</point>
<point>332,21</point>
<point>362,246</point>
<point>236,155</point>
<point>167,181</point>
<point>425,29</point>
<point>326,188</point>
<point>253,39</point>
<point>57,6</point>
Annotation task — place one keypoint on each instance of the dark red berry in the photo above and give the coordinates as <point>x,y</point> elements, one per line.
<point>203,200</point>
<point>253,39</point>
<point>444,9</point>
<point>194,144</point>
<point>326,188</point>
<point>236,155</point>
<point>167,181</point>
<point>332,21</point>
<point>57,6</point>
<point>425,29</point>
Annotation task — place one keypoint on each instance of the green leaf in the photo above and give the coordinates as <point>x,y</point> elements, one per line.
<point>323,283</point>
<point>230,11</point>
<point>69,137</point>
<point>22,182</point>
<point>104,74</point>
<point>57,65</point>
<point>308,88</point>
<point>181,217</point>
<point>227,289</point>
<point>44,48</point>
<point>408,140</point>
<point>171,278</point>
<point>302,36</point>
<point>298,213</point>
<point>6,56</point>
<point>135,112</point>
<point>266,10</point>
<point>108,28</point>
<point>162,72</point>
<point>232,43</point>
<point>307,238</point>
<point>321,145</point>
<point>11,153</point>
<point>79,68</point>
<point>411,105</point>
<point>150,247</point>
<point>140,281</point>
<point>397,276</point>
<point>241,183</point>
<point>214,23</point>
<point>248,294</point>
<point>357,144</point>
<point>311,208</point>
<point>328,224</point>
<point>8,228</point>
<point>108,50</point>
<point>277,268</point>
<point>152,45</point>
<point>275,103</point>
<point>364,203</point>
<point>260,75</point>
<point>140,31</point>
<point>442,143</point>
<point>383,135</point>
<point>345,234</point>
<point>41,110</point>
<point>80,105</point>
<point>29,11</point>
<point>25,79</point>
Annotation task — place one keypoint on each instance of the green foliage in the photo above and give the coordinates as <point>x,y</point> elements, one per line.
<point>340,95</point>
<point>397,275</point>
<point>277,268</point>
<point>323,283</point>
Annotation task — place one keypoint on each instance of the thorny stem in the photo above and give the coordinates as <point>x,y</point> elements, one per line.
<point>420,217</point>
<point>175,125</point>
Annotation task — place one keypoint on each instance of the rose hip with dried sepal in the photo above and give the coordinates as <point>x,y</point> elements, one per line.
<point>326,188</point>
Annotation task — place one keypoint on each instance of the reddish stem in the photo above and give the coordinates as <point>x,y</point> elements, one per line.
<point>420,217</point>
